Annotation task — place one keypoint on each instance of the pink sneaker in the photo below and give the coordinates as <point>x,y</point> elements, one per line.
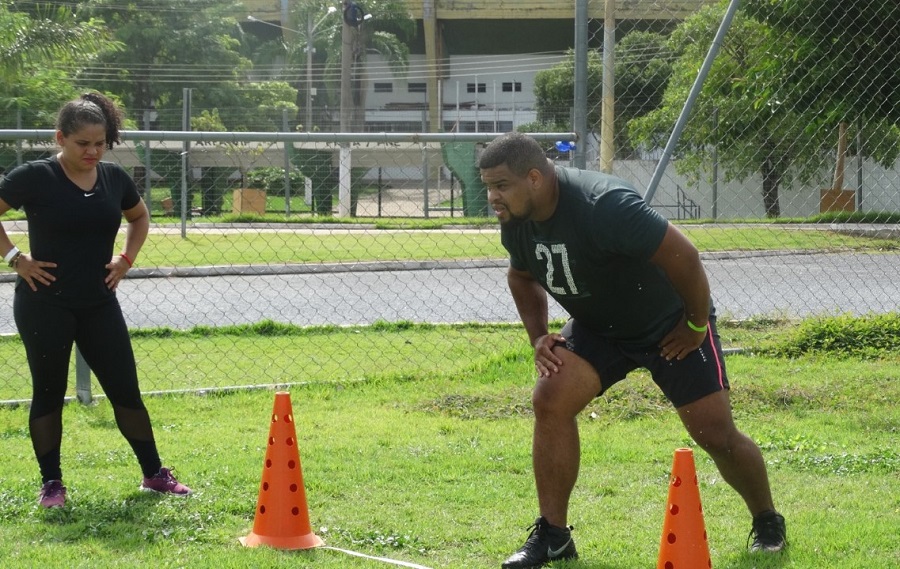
<point>53,494</point>
<point>164,483</point>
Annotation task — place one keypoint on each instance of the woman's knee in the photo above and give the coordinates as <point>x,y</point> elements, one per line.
<point>47,397</point>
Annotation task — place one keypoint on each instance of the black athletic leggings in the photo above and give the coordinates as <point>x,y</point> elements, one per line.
<point>48,329</point>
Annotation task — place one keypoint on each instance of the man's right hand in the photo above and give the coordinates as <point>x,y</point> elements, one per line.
<point>545,361</point>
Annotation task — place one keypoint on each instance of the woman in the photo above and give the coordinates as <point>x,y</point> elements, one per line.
<point>66,286</point>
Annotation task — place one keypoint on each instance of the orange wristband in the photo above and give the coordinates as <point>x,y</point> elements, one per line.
<point>127,260</point>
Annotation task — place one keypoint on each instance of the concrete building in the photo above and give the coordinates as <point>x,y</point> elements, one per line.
<point>473,62</point>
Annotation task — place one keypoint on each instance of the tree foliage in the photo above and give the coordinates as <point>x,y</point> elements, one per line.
<point>45,35</point>
<point>850,50</point>
<point>171,45</point>
<point>41,52</point>
<point>762,111</point>
<point>642,71</point>
<point>385,33</point>
<point>310,22</point>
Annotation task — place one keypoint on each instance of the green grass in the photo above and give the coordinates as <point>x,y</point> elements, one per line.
<point>274,354</point>
<point>254,247</point>
<point>260,354</point>
<point>265,246</point>
<point>771,238</point>
<point>408,239</point>
<point>432,466</point>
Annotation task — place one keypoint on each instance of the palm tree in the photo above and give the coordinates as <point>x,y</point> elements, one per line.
<point>45,35</point>
<point>384,31</point>
<point>40,53</point>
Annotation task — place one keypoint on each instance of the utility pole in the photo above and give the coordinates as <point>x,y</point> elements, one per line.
<point>348,43</point>
<point>352,55</point>
<point>311,26</point>
<point>309,57</point>
<point>434,56</point>
<point>608,107</point>
<point>580,87</point>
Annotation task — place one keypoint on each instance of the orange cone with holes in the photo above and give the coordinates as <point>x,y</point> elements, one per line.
<point>684,544</point>
<point>282,515</point>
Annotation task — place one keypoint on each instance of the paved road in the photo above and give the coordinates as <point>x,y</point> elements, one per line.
<point>744,286</point>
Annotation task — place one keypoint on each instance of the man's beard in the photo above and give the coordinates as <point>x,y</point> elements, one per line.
<point>513,221</point>
<point>517,219</point>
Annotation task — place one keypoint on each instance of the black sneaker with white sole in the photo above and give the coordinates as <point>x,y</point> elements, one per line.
<point>769,533</point>
<point>546,543</point>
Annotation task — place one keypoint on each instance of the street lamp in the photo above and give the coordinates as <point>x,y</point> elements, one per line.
<point>311,28</point>
<point>354,15</point>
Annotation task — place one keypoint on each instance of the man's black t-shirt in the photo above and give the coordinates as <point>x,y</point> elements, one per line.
<point>69,226</point>
<point>592,256</point>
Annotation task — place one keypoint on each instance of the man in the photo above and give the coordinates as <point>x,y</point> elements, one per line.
<point>638,296</point>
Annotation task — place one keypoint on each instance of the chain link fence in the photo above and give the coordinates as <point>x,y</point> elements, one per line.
<point>796,117</point>
<point>785,175</point>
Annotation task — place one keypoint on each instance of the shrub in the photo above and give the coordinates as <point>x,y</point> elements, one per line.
<point>271,179</point>
<point>874,336</point>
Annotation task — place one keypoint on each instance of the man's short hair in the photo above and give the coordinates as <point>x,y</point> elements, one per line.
<point>518,151</point>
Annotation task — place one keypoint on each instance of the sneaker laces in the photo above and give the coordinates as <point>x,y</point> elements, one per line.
<point>540,525</point>
<point>52,488</point>
<point>535,529</point>
<point>767,529</point>
<point>167,475</point>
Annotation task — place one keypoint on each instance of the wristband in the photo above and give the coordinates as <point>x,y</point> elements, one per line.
<point>696,328</point>
<point>12,253</point>
<point>127,260</point>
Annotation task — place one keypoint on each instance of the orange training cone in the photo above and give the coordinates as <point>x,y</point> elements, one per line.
<point>282,516</point>
<point>684,544</point>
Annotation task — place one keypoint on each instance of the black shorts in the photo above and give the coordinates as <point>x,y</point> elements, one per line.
<point>682,381</point>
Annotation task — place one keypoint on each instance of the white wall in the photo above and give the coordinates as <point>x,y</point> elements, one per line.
<point>493,105</point>
<point>402,163</point>
<point>737,200</point>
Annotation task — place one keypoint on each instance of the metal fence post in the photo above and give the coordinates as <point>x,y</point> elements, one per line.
<point>186,148</point>
<point>344,181</point>
<point>287,164</point>
<point>425,205</point>
<point>19,141</point>
<point>692,97</point>
<point>82,379</point>
<point>148,183</point>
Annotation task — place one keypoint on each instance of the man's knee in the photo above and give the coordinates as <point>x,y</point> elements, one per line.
<point>710,424</point>
<point>566,392</point>
<point>545,399</point>
<point>720,441</point>
<point>714,441</point>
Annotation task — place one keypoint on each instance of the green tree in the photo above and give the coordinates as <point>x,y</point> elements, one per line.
<point>554,92</point>
<point>311,22</point>
<point>848,50</point>
<point>771,120</point>
<point>43,36</point>
<point>171,45</point>
<point>384,33</point>
<point>641,74</point>
<point>40,52</point>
